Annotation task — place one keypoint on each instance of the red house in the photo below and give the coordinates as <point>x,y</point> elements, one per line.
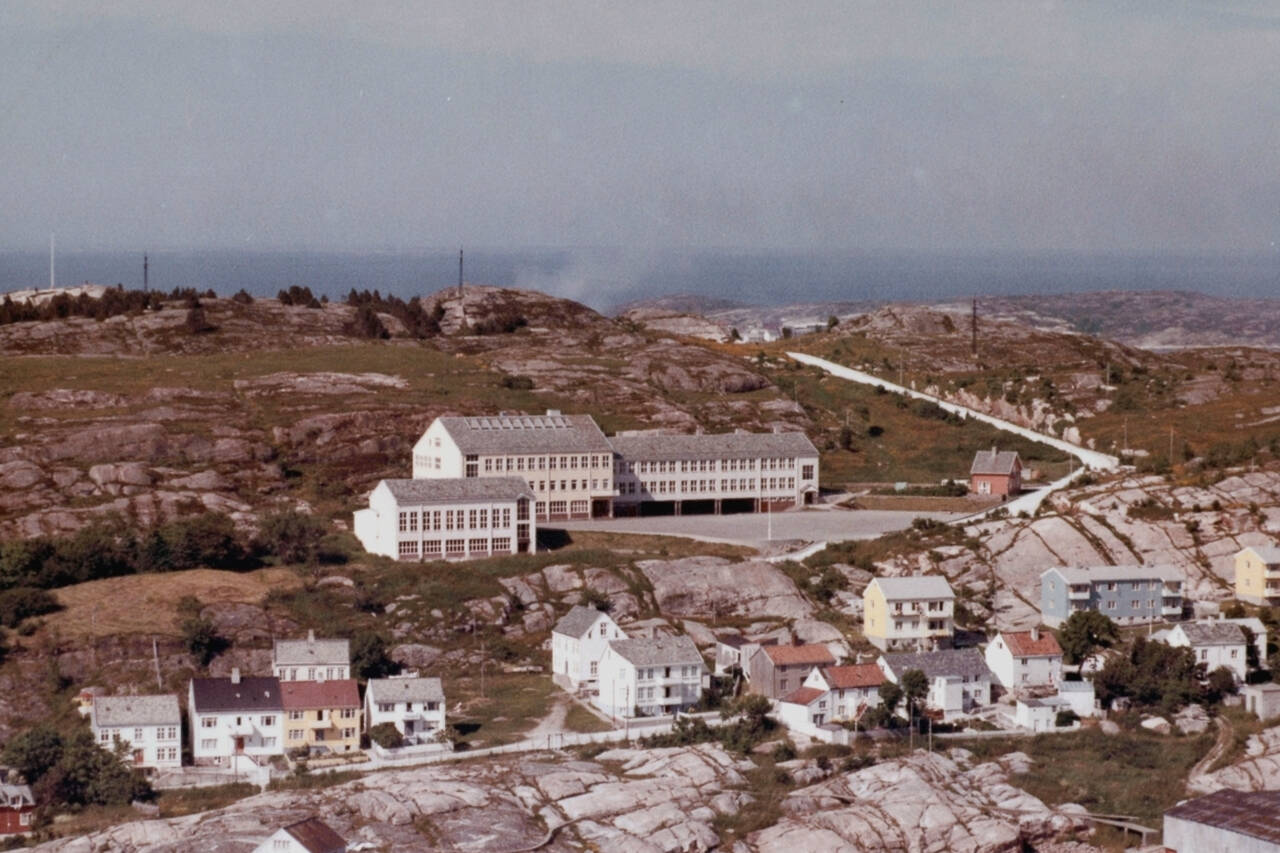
<point>17,809</point>
<point>995,473</point>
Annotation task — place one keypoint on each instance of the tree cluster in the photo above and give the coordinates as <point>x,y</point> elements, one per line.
<point>296,295</point>
<point>418,322</point>
<point>74,770</point>
<point>113,302</point>
<point>1157,674</point>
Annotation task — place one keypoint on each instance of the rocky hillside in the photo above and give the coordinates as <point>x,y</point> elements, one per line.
<point>644,801</point>
<point>280,404</point>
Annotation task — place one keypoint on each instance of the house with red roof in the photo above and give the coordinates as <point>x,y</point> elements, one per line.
<point>324,716</point>
<point>775,671</point>
<point>1025,659</point>
<point>852,688</point>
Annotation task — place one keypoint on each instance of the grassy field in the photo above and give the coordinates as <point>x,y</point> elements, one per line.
<point>508,707</point>
<point>1132,773</point>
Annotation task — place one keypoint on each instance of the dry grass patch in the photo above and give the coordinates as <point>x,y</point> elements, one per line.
<point>147,604</point>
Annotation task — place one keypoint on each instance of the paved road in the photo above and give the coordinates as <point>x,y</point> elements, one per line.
<point>753,529</point>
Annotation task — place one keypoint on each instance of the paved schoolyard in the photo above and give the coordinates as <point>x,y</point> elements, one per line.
<point>753,529</point>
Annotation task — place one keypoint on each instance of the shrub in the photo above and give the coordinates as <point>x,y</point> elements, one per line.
<point>197,323</point>
<point>291,536</point>
<point>1066,718</point>
<point>517,383</point>
<point>22,602</point>
<point>242,296</point>
<point>386,735</point>
<point>367,324</point>
<point>202,640</point>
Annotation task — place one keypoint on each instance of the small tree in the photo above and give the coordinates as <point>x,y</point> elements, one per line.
<point>34,752</point>
<point>1084,631</point>
<point>369,658</point>
<point>387,736</point>
<point>202,639</point>
<point>291,536</point>
<point>197,323</point>
<point>890,696</point>
<point>915,686</point>
<point>1221,682</point>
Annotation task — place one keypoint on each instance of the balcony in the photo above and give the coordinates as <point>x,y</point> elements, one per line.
<point>243,729</point>
<point>322,721</point>
<point>1078,592</point>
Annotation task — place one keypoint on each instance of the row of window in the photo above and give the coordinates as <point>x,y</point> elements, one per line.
<point>301,734</point>
<point>562,507</point>
<point>934,624</point>
<point>139,734</point>
<point>390,707</point>
<point>663,487</point>
<point>453,547</point>
<point>343,713</point>
<point>544,463</point>
<point>311,673</point>
<point>450,519</point>
<point>650,673</point>
<point>910,607</point>
<point>693,466</point>
<point>266,721</point>
<point>211,744</point>
<point>568,485</point>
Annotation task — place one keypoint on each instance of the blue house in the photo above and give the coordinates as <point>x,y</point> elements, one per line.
<point>1126,594</point>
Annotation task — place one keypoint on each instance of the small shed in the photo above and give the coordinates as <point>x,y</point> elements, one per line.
<point>1262,700</point>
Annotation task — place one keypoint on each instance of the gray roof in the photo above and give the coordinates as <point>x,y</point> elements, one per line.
<point>918,586</point>
<point>405,690</point>
<point>1213,633</point>
<point>535,434</point>
<point>1269,554</point>
<point>160,710</point>
<point>966,662</point>
<point>1252,813</point>
<point>16,796</point>
<point>657,651</point>
<point>577,621</point>
<point>1091,574</point>
<point>993,461</point>
<point>456,489</point>
<point>311,652</point>
<point>728,445</point>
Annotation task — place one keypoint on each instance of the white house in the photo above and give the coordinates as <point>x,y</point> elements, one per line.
<point>150,726</point>
<point>959,680</point>
<point>453,519</point>
<point>415,706</point>
<point>1040,715</point>
<point>1215,643</point>
<point>649,676</point>
<point>235,716</point>
<point>564,459</point>
<point>1025,658</point>
<point>831,694</point>
<point>578,642</point>
<point>311,835</point>
<point>311,659</point>
<point>1080,697</point>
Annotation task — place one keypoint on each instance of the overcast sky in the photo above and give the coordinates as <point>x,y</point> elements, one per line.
<point>1149,125</point>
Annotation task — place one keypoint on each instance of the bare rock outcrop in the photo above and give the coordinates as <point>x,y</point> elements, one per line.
<point>713,587</point>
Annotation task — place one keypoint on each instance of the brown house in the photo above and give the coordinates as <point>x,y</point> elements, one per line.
<point>17,809</point>
<point>778,670</point>
<point>995,473</point>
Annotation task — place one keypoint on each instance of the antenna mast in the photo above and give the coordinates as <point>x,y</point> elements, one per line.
<point>145,270</point>
<point>52,283</point>
<point>459,273</point>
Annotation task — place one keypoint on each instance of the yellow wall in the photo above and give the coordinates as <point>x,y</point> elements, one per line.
<point>1251,575</point>
<point>875,610</point>
<point>335,723</point>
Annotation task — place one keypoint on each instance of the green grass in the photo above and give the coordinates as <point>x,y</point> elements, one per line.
<point>1132,773</point>
<point>185,801</point>
<point>511,705</point>
<point>579,719</point>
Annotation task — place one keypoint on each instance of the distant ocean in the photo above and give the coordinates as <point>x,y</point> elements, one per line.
<point>607,278</point>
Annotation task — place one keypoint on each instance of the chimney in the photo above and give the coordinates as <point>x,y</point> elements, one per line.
<point>993,451</point>
<point>311,636</point>
<point>235,675</point>
<point>1035,634</point>
<point>552,413</point>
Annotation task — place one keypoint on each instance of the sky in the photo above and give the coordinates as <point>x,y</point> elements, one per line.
<point>1117,126</point>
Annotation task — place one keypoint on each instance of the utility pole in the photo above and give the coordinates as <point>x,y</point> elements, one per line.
<point>1170,446</point>
<point>459,273</point>
<point>52,278</point>
<point>155,656</point>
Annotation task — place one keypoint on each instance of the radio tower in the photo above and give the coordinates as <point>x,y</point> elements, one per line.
<point>145,270</point>
<point>973,327</point>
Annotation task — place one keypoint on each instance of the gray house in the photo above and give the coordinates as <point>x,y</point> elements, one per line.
<point>1126,594</point>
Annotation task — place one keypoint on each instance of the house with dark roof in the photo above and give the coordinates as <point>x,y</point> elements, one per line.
<point>1258,575</point>
<point>414,705</point>
<point>777,670</point>
<point>995,472</point>
<point>578,641</point>
<point>448,519</point>
<point>149,726</point>
<point>959,679</point>
<point>235,716</point>
<point>1215,643</point>
<point>17,809</point>
<point>649,676</point>
<point>321,716</point>
<point>714,472</point>
<point>1021,659</point>
<point>311,835</point>
<point>1238,821</point>
<point>564,459</point>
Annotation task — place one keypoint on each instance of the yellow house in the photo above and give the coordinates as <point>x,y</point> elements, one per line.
<point>321,715</point>
<point>1258,575</point>
<point>909,613</point>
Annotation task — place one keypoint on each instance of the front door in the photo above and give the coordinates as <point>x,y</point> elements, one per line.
<point>239,745</point>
